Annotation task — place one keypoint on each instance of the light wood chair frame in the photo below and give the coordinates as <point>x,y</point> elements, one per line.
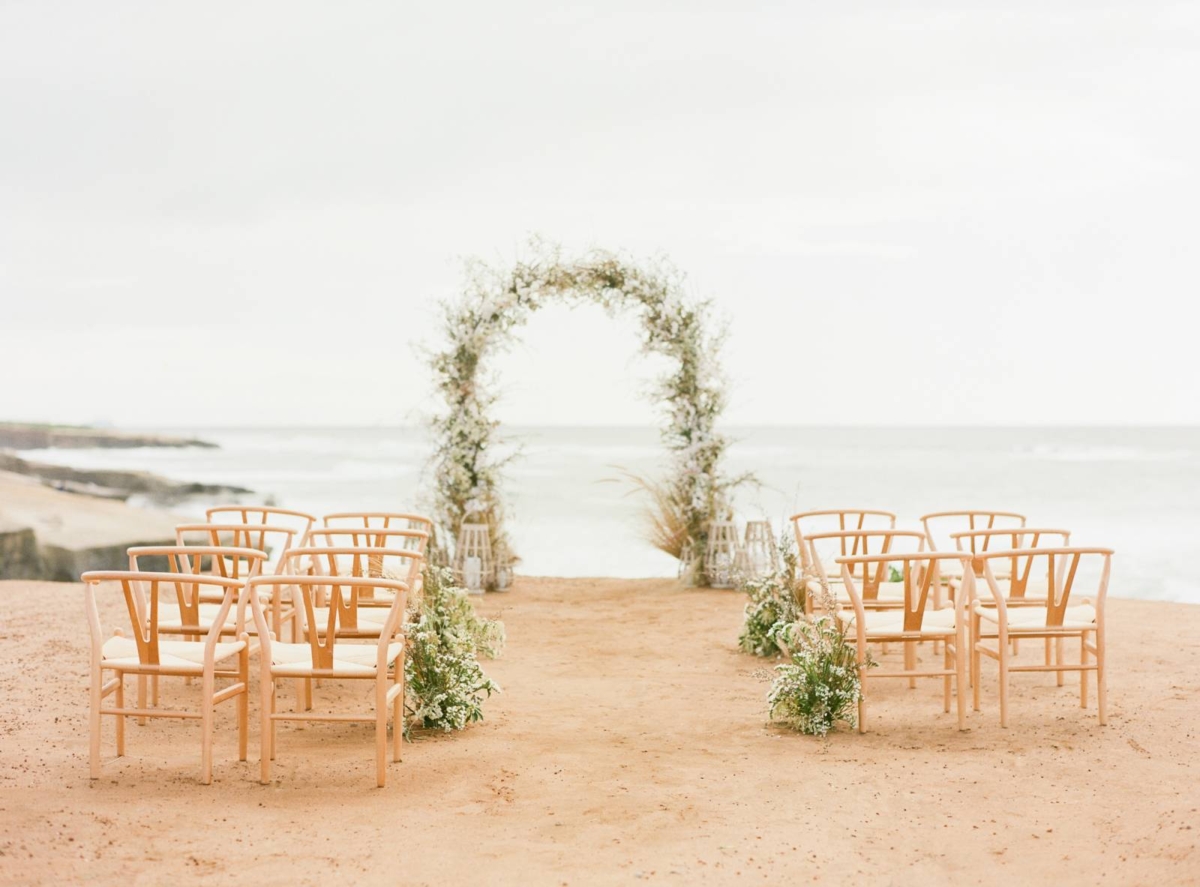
<point>922,575</point>
<point>847,519</point>
<point>381,520</point>
<point>976,520</point>
<point>388,676</point>
<point>186,560</point>
<point>376,537</point>
<point>262,514</point>
<point>365,563</point>
<point>142,608</point>
<point>854,543</point>
<point>981,541</point>
<point>248,535</point>
<point>1061,585</point>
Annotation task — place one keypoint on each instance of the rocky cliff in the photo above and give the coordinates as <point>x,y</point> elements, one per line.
<point>27,436</point>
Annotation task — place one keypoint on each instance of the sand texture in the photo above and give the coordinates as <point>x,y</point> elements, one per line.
<point>630,745</point>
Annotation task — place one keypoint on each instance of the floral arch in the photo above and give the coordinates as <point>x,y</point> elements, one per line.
<point>467,471</point>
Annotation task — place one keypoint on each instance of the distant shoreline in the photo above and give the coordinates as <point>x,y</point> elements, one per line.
<point>35,436</point>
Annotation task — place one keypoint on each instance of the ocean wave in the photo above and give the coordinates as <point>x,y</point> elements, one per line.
<point>1114,453</point>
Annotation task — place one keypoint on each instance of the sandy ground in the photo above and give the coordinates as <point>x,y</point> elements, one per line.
<point>630,745</point>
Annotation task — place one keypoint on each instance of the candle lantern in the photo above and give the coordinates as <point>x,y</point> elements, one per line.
<point>759,554</point>
<point>722,557</point>
<point>504,567</point>
<point>687,569</point>
<point>474,566</point>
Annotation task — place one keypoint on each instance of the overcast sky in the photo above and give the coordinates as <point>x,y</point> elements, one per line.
<point>921,213</point>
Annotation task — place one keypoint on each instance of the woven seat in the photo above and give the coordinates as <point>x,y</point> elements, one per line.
<point>181,656</point>
<point>349,660</point>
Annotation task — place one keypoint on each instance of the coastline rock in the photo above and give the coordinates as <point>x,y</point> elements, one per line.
<point>111,484</point>
<point>49,534</point>
<point>31,436</point>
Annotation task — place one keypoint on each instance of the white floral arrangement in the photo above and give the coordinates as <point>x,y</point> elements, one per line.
<point>821,685</point>
<point>467,471</point>
<point>446,686</point>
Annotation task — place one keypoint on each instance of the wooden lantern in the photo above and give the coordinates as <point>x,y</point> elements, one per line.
<point>722,557</point>
<point>760,557</point>
<point>474,565</point>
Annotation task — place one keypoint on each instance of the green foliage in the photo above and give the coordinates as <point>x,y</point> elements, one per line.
<point>776,600</point>
<point>446,685</point>
<point>467,471</point>
<point>821,685</point>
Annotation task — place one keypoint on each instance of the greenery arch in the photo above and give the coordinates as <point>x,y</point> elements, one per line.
<point>467,471</point>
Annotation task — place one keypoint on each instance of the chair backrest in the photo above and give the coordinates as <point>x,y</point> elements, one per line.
<point>142,591</point>
<point>270,539</point>
<point>354,561</point>
<point>307,592</point>
<point>827,547</point>
<point>841,519</point>
<point>919,571</point>
<point>300,522</point>
<point>213,560</point>
<point>940,524</point>
<point>982,541</point>
<point>1060,566</point>
<point>371,537</point>
<point>385,520</point>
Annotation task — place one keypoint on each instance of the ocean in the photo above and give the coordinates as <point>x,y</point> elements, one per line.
<point>1133,489</point>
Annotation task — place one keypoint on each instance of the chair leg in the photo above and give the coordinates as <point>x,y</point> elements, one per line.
<point>1002,648</point>
<point>120,702</point>
<point>381,718</point>
<point>1083,675</point>
<point>141,697</point>
<point>154,691</point>
<point>975,664</point>
<point>243,709</point>
<point>862,687</point>
<point>960,669</point>
<point>398,712</point>
<point>1101,681</point>
<point>946,679</point>
<point>910,662</point>
<point>1058,659</point>
<point>206,728</point>
<point>94,722</point>
<point>267,708</point>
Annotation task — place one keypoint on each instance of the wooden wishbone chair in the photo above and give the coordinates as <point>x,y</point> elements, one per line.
<point>909,624</point>
<point>370,611</point>
<point>415,541</point>
<point>298,521</point>
<point>148,653</point>
<point>385,520</point>
<point>939,525</point>
<point>875,586</point>
<point>272,540</point>
<point>1059,617</point>
<point>840,519</point>
<point>324,655</point>
<point>192,607</point>
<point>1026,590</point>
<point>980,542</point>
